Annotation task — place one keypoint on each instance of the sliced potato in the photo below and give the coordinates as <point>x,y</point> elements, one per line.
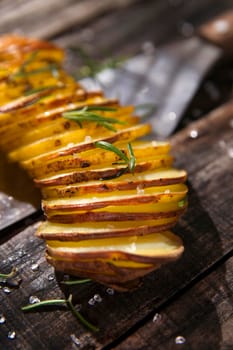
<point>115,213</point>
<point>93,230</point>
<point>118,277</point>
<point>127,134</point>
<point>39,169</point>
<point>98,173</point>
<point>160,177</point>
<point>148,249</point>
<point>164,194</point>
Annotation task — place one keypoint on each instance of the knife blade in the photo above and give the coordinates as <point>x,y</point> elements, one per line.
<point>169,78</point>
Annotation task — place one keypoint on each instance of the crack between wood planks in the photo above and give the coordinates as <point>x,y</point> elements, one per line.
<point>8,232</point>
<point>174,297</point>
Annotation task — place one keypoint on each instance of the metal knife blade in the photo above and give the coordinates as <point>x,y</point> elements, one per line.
<point>168,79</point>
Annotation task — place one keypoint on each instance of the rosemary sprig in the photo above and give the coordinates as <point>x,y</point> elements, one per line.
<point>9,275</point>
<point>129,161</point>
<point>86,114</point>
<point>40,89</point>
<point>79,316</point>
<point>75,282</point>
<point>39,304</point>
<point>91,66</point>
<point>63,302</point>
<point>53,68</point>
<point>132,159</point>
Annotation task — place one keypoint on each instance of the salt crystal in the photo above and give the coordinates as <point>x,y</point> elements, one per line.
<point>75,340</point>
<point>180,339</point>
<point>193,134</point>
<point>11,335</point>
<point>2,319</point>
<point>6,290</point>
<point>157,317</point>
<point>33,299</point>
<point>110,291</point>
<point>35,267</point>
<point>88,138</point>
<point>97,298</point>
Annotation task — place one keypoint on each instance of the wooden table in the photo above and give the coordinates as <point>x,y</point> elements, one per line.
<point>184,305</point>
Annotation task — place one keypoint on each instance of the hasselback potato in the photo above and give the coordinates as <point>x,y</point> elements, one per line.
<point>110,199</point>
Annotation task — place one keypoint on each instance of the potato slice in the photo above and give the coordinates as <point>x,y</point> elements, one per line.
<point>93,230</point>
<point>127,134</point>
<point>163,194</point>
<point>92,158</point>
<point>115,213</point>
<point>103,271</point>
<point>149,249</point>
<point>160,177</point>
<point>104,173</point>
<point>13,44</point>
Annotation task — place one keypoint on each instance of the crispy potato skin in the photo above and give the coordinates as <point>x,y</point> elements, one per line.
<point>86,188</point>
<point>121,279</point>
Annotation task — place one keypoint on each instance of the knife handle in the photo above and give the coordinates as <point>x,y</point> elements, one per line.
<point>219,31</point>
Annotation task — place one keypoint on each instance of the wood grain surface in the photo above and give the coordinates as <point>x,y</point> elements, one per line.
<point>193,295</point>
<point>206,229</point>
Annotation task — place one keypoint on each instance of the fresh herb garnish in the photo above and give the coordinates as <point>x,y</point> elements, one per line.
<point>87,114</point>
<point>91,66</point>
<point>53,68</point>
<point>62,302</point>
<point>40,89</point>
<point>182,203</point>
<point>9,275</point>
<point>75,282</point>
<point>129,161</point>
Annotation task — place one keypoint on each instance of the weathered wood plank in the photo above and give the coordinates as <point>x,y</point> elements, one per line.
<point>46,19</point>
<point>203,316</point>
<point>18,195</point>
<point>205,228</point>
<point>125,32</point>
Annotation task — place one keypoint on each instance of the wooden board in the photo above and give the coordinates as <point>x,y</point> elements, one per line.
<point>198,285</point>
<point>205,228</point>
<point>200,319</point>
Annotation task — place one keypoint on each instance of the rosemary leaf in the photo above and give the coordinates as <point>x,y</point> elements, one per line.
<point>109,147</point>
<point>9,275</point>
<point>40,89</point>
<point>85,114</point>
<point>63,302</point>
<point>75,282</point>
<point>132,159</point>
<point>79,316</point>
<point>129,161</point>
<point>101,108</point>
<point>44,303</point>
<point>50,67</point>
